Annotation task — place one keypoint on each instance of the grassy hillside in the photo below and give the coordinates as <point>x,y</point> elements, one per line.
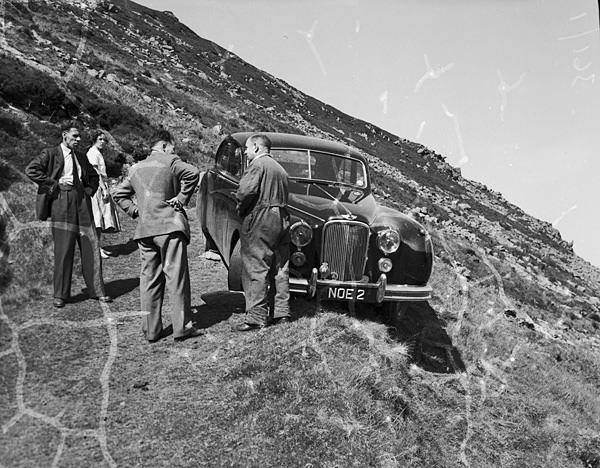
<point>500,368</point>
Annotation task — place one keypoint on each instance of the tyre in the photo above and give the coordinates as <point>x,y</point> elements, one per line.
<point>234,275</point>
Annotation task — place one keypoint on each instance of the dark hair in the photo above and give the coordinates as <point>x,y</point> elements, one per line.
<point>161,135</point>
<point>69,124</point>
<point>260,139</point>
<point>96,134</point>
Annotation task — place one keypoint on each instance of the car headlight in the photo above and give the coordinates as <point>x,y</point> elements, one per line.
<point>388,240</point>
<point>301,234</point>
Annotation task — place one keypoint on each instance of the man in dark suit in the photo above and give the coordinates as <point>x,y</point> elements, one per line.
<point>66,182</point>
<point>155,193</point>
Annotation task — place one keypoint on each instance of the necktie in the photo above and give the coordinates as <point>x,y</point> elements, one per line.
<point>76,180</point>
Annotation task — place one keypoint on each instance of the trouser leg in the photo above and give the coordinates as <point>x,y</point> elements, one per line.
<point>64,251</point>
<point>152,286</point>
<point>281,282</point>
<point>91,264</point>
<point>65,229</point>
<point>175,267</point>
<point>265,258</point>
<point>256,257</point>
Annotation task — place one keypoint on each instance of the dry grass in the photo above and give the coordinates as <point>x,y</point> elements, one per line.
<point>457,384</point>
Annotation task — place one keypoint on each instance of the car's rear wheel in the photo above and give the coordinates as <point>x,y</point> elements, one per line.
<point>234,276</point>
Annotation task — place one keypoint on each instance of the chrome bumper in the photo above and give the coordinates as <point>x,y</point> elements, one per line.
<point>347,290</point>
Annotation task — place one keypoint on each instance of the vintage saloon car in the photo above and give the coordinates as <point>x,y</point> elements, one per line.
<point>344,245</point>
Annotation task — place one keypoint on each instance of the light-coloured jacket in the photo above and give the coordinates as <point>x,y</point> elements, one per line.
<point>153,181</point>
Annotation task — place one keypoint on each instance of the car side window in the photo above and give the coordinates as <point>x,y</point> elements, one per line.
<point>229,157</point>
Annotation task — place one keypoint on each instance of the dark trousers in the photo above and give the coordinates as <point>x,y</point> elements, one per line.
<point>265,264</point>
<point>164,262</point>
<point>72,223</point>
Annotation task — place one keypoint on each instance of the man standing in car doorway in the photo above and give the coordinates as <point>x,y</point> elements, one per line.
<point>262,199</point>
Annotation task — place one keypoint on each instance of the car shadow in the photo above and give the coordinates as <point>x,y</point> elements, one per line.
<point>218,307</point>
<point>431,348</point>
<point>419,326</point>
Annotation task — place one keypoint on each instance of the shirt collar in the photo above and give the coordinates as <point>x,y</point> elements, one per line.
<point>66,151</point>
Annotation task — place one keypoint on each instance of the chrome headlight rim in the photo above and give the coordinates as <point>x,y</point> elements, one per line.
<point>298,239</point>
<point>389,240</point>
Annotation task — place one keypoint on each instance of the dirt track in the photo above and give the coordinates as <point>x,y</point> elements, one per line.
<point>70,376</point>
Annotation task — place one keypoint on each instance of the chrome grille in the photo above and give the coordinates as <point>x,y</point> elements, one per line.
<point>345,245</point>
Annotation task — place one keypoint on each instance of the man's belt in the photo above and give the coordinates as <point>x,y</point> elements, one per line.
<point>68,187</point>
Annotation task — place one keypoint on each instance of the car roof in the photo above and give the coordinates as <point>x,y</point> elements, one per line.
<point>293,141</point>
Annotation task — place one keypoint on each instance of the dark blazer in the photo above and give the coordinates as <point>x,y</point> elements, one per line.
<point>46,169</point>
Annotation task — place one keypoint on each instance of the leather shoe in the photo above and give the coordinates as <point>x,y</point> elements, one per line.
<point>243,327</point>
<point>190,333</point>
<point>281,320</point>
<point>105,299</point>
<point>58,302</point>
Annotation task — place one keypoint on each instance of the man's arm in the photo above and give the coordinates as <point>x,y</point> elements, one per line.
<point>123,196</point>
<point>37,171</point>
<point>93,179</point>
<point>188,176</point>
<point>247,193</point>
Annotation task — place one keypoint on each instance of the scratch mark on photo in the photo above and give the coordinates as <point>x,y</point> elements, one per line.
<point>504,88</point>
<point>309,35</point>
<point>464,159</point>
<point>431,73</point>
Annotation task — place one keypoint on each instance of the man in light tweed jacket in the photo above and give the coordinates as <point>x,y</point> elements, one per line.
<point>162,185</point>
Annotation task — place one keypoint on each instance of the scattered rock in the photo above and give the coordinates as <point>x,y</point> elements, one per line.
<point>141,385</point>
<point>594,316</point>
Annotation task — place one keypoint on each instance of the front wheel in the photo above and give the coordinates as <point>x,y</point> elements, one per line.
<point>234,275</point>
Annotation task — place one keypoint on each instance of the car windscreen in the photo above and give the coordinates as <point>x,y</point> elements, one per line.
<point>322,167</point>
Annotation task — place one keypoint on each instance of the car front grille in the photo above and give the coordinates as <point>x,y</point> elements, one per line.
<point>345,245</point>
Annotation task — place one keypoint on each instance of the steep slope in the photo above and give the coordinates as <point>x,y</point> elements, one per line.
<point>505,283</point>
<point>129,69</point>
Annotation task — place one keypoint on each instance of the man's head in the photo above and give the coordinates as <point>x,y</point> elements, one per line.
<point>162,140</point>
<point>70,135</point>
<point>256,145</point>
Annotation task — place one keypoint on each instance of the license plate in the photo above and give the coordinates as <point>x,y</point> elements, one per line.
<point>344,293</point>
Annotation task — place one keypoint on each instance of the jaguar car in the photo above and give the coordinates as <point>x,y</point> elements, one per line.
<point>345,246</point>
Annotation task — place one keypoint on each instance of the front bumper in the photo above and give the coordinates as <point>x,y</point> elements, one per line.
<point>358,291</point>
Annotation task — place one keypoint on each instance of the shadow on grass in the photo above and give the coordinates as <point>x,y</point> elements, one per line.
<point>431,347</point>
<point>221,305</point>
<point>113,289</point>
<point>120,250</point>
<point>218,307</point>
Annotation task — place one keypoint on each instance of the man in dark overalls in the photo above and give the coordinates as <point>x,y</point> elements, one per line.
<point>262,203</point>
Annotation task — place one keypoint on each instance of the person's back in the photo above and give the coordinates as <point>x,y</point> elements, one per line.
<point>155,192</point>
<point>155,180</point>
<point>275,190</point>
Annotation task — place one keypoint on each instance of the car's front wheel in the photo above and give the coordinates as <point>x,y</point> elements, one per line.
<point>234,275</point>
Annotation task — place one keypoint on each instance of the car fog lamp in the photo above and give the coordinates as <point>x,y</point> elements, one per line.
<point>388,240</point>
<point>298,259</point>
<point>385,265</point>
<point>301,234</point>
